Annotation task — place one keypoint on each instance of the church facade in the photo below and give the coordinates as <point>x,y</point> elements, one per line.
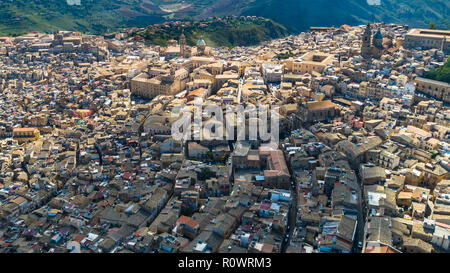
<point>372,46</point>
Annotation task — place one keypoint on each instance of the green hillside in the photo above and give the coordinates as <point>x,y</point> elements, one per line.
<point>219,32</point>
<point>99,16</point>
<point>301,14</point>
<point>94,16</point>
<point>440,74</point>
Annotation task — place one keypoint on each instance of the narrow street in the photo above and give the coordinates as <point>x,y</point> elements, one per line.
<point>359,236</point>
<point>292,214</point>
<point>239,97</point>
<point>292,219</point>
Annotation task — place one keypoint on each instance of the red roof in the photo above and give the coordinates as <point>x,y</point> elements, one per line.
<point>265,205</point>
<point>278,163</point>
<point>188,221</point>
<point>79,238</point>
<point>380,249</point>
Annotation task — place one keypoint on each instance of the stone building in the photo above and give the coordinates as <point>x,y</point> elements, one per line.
<point>372,47</point>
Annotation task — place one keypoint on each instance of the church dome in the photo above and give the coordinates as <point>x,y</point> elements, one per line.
<point>378,35</point>
<point>201,42</point>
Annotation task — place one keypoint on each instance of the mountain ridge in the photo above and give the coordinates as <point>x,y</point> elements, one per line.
<point>100,16</point>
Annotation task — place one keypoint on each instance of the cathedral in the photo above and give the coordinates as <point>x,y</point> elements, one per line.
<point>372,47</point>
<point>199,50</point>
<point>183,50</point>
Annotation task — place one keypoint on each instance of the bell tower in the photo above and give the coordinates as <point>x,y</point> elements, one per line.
<point>182,45</point>
<point>366,42</point>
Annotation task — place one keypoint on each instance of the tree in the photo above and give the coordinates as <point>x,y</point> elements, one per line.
<point>224,158</point>
<point>205,173</point>
<point>187,211</point>
<point>432,26</point>
<point>440,74</point>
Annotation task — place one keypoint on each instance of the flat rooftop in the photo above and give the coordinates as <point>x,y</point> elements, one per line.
<point>315,57</point>
<point>432,33</point>
<point>425,80</point>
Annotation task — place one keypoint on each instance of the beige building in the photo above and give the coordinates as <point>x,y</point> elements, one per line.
<point>427,39</point>
<point>198,61</point>
<point>436,89</point>
<point>428,175</point>
<point>166,84</point>
<point>221,79</point>
<point>320,110</point>
<point>310,62</point>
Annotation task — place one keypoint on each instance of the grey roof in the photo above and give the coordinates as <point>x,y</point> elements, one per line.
<point>373,172</point>
<point>346,228</point>
<point>207,236</point>
<point>379,230</point>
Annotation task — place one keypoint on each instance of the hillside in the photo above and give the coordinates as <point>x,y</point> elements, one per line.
<point>440,74</point>
<point>99,16</point>
<point>94,16</point>
<point>218,32</point>
<point>301,14</point>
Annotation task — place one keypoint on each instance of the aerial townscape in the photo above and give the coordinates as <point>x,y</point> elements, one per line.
<point>89,162</point>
